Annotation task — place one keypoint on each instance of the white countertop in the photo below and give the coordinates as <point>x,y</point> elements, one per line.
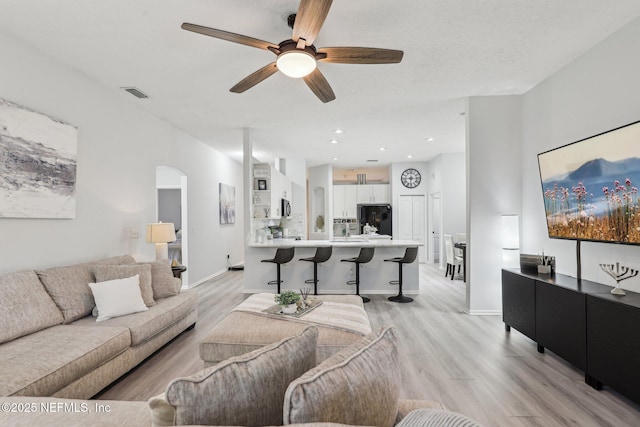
<point>340,242</point>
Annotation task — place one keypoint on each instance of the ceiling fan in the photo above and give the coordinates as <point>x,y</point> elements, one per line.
<point>297,56</point>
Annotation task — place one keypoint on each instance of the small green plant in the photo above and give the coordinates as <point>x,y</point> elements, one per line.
<point>286,298</point>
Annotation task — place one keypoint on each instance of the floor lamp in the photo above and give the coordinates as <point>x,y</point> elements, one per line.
<point>161,233</point>
<point>510,241</point>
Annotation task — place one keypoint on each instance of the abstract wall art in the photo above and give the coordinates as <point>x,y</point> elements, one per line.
<point>38,158</point>
<point>227,204</point>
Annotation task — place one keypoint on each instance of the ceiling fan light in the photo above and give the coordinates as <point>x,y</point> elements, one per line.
<point>296,63</point>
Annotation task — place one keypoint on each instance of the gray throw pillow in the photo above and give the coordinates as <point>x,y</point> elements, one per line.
<point>25,306</point>
<point>69,286</point>
<point>436,418</point>
<point>163,282</point>
<point>357,386</point>
<point>245,390</point>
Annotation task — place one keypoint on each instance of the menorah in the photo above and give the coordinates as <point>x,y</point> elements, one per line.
<point>619,273</point>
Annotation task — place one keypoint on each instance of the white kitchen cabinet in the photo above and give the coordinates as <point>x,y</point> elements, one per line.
<point>344,201</point>
<point>373,193</point>
<point>281,188</point>
<point>276,193</point>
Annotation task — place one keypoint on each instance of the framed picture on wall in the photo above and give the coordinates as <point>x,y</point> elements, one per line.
<point>227,204</point>
<point>38,159</point>
<point>262,184</point>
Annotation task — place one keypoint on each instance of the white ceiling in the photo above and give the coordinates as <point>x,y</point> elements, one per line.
<point>453,49</point>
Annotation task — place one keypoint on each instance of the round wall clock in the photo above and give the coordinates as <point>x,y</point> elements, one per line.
<point>410,178</point>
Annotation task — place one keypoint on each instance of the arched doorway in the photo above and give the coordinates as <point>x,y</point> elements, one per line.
<point>171,206</point>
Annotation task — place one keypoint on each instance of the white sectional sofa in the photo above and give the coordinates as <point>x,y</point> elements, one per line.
<point>51,345</point>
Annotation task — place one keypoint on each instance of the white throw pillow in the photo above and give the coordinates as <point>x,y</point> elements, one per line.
<point>117,297</point>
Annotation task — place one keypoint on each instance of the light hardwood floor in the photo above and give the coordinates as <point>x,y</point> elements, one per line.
<point>469,363</point>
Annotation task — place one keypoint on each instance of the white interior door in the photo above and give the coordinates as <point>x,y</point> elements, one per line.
<point>435,225</point>
<point>419,219</point>
<point>405,216</point>
<point>412,221</point>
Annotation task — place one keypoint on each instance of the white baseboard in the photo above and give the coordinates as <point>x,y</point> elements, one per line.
<point>483,312</point>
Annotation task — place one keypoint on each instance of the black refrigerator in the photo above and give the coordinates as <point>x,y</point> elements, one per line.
<point>378,216</point>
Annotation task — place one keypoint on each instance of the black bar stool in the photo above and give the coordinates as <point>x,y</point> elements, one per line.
<point>283,256</point>
<point>323,253</point>
<point>365,255</point>
<point>410,255</point>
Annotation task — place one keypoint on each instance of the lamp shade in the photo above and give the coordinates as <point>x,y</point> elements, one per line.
<point>510,232</point>
<point>161,232</point>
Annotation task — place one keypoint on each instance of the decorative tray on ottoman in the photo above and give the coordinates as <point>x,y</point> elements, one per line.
<point>311,304</point>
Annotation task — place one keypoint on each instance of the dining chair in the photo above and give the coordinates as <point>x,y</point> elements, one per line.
<point>459,238</point>
<point>453,260</point>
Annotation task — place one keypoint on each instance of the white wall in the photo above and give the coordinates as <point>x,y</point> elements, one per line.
<point>119,147</point>
<point>493,188</point>
<point>597,92</point>
<point>167,177</point>
<point>450,182</point>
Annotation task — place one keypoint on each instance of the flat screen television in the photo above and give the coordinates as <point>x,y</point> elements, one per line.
<point>590,187</point>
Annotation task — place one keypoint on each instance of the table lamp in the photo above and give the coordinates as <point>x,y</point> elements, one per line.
<point>161,233</point>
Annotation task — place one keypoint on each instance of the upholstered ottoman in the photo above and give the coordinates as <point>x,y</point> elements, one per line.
<point>341,320</point>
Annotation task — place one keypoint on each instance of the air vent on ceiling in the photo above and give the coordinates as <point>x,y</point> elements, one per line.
<point>136,92</point>
<point>371,161</point>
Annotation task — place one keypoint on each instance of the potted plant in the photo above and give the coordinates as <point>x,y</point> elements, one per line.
<point>287,300</point>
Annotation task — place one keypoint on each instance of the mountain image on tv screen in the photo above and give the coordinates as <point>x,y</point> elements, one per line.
<point>590,187</point>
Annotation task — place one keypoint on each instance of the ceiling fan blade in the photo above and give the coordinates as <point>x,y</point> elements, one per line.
<point>309,19</point>
<point>231,37</point>
<point>360,55</point>
<point>320,86</point>
<point>254,78</point>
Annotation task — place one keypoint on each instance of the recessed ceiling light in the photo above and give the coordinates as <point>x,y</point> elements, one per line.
<point>430,139</point>
<point>409,156</point>
<point>334,158</point>
<point>334,141</point>
<point>383,148</point>
<point>338,131</point>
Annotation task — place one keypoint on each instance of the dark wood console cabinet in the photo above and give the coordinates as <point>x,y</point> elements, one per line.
<point>613,342</point>
<point>519,303</point>
<point>579,321</point>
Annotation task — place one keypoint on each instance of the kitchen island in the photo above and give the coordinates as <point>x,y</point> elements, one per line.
<point>333,274</point>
